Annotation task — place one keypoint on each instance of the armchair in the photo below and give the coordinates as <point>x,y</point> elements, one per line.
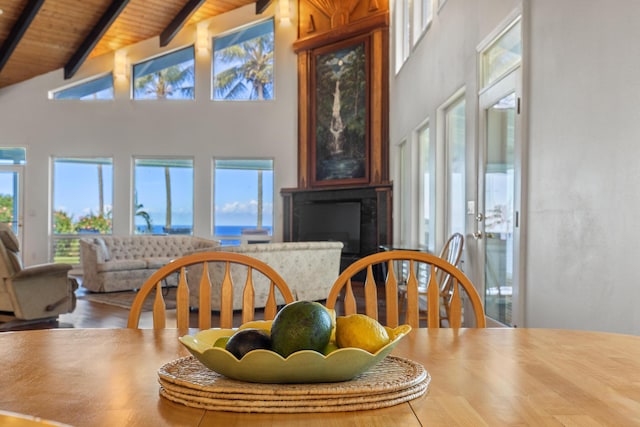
<point>30,293</point>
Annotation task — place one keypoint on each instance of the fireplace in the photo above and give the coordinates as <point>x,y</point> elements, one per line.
<point>360,217</point>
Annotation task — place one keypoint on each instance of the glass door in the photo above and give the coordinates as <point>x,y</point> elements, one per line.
<point>11,198</point>
<point>499,207</point>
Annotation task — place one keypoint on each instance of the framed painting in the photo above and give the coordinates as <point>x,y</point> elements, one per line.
<point>340,114</point>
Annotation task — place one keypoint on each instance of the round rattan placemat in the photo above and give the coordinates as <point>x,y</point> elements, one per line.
<point>392,381</point>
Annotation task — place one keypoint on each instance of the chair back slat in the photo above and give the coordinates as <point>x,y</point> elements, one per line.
<point>349,299</point>
<point>391,295</point>
<point>204,260</point>
<point>415,261</point>
<point>248,297</point>
<point>413,309</point>
<point>204,314</point>
<point>455,305</point>
<point>433,300</point>
<point>226,298</point>
<point>371,294</point>
<point>159,317</point>
<point>271,308</point>
<point>182,301</point>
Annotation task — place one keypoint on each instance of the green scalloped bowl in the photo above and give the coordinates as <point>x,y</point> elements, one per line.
<point>265,366</point>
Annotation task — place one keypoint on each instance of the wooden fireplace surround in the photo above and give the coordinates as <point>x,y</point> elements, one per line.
<point>321,25</point>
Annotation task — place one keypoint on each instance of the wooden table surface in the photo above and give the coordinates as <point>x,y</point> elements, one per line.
<point>108,377</point>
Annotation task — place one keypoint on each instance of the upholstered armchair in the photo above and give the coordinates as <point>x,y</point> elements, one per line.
<point>30,293</point>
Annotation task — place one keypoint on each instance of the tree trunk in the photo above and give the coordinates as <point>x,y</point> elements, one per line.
<point>167,181</point>
<point>100,192</point>
<point>259,199</point>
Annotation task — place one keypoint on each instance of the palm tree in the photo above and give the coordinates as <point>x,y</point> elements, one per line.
<point>142,213</point>
<point>253,67</point>
<point>166,82</point>
<point>167,183</point>
<point>100,190</point>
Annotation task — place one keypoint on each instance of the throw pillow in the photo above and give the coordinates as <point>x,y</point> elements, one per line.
<point>103,246</point>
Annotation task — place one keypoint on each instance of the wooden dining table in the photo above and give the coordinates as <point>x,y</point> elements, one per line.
<point>495,377</point>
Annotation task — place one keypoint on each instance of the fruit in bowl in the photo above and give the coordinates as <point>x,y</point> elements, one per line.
<point>301,325</point>
<point>327,361</point>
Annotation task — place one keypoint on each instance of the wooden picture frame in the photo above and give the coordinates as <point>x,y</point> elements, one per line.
<point>340,113</point>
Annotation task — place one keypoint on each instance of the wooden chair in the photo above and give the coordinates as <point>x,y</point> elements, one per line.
<point>458,282</point>
<point>180,265</point>
<point>451,252</point>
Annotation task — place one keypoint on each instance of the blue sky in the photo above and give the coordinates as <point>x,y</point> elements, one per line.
<point>76,192</point>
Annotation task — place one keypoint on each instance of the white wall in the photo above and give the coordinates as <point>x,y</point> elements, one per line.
<point>581,103</point>
<point>582,270</point>
<point>123,129</point>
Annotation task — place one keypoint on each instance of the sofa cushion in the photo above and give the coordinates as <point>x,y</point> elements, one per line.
<point>125,264</point>
<point>106,256</point>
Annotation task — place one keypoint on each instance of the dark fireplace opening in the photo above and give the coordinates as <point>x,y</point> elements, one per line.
<point>359,217</point>
<point>331,221</point>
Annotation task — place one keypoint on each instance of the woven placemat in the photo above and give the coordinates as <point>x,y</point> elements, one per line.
<point>392,381</point>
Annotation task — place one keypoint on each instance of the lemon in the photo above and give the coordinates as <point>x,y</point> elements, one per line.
<point>360,331</point>
<point>396,332</point>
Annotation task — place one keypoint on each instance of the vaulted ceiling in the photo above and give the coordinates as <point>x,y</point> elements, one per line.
<point>39,36</point>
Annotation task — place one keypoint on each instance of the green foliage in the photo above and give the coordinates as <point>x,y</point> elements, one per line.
<point>63,223</point>
<point>255,67</point>
<point>6,208</point>
<point>92,222</point>
<point>173,80</point>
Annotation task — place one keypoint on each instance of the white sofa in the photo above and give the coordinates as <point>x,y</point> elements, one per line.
<point>118,263</point>
<point>309,268</point>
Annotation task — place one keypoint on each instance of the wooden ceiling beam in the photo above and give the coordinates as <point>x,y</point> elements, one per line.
<point>110,15</point>
<point>262,5</point>
<point>178,22</point>
<point>26,17</point>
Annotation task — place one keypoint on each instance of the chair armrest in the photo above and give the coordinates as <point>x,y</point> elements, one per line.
<point>42,269</point>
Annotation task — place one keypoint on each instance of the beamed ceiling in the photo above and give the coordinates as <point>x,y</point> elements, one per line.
<point>39,36</point>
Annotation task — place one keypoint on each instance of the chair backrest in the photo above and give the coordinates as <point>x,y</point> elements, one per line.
<point>451,252</point>
<point>10,260</point>
<point>180,265</point>
<point>459,282</point>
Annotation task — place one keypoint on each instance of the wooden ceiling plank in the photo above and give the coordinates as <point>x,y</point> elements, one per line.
<point>26,17</point>
<point>178,22</point>
<point>261,6</point>
<point>116,7</point>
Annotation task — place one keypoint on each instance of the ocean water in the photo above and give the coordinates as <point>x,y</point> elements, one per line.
<point>220,230</point>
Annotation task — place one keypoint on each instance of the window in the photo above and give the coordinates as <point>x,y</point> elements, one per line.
<point>82,203</point>
<point>427,191</point>
<point>243,64</point>
<point>96,89</point>
<point>163,198</point>
<point>422,16</point>
<point>502,55</point>
<point>402,32</point>
<point>455,148</point>
<point>12,161</point>
<point>170,76</point>
<point>243,197</point>
<point>404,193</point>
